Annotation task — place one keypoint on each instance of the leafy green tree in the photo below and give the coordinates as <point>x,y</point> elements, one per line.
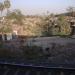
<point>16,16</point>
<point>5,29</point>
<point>71,10</point>
<point>7,5</point>
<point>64,26</point>
<point>1,7</point>
<point>47,25</point>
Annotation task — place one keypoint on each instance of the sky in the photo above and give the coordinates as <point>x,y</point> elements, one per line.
<point>41,6</point>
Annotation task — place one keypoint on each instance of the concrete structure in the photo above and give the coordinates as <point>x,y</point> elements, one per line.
<point>7,36</point>
<point>48,42</point>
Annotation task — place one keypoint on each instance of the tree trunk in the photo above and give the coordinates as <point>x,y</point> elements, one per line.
<point>7,11</point>
<point>1,13</point>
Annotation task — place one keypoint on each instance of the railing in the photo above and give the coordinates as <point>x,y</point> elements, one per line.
<point>23,69</point>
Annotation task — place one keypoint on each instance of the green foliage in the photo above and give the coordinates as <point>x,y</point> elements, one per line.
<point>6,29</point>
<point>16,16</point>
<point>50,26</point>
<point>55,31</point>
<point>47,26</point>
<point>7,4</point>
<point>64,26</point>
<point>71,11</point>
<point>1,7</point>
<point>36,30</point>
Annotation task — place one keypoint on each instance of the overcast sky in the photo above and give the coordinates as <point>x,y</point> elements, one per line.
<point>41,6</point>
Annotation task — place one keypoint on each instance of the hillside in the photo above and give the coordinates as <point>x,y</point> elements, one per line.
<point>45,25</point>
<point>29,26</point>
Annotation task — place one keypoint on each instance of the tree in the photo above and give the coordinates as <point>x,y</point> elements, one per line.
<point>71,10</point>
<point>6,29</point>
<point>64,26</point>
<point>47,25</point>
<point>7,5</point>
<point>16,16</point>
<point>1,8</point>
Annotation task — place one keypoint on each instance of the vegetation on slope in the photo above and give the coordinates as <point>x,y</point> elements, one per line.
<point>47,25</point>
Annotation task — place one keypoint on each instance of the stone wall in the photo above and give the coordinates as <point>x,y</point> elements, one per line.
<point>48,42</point>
